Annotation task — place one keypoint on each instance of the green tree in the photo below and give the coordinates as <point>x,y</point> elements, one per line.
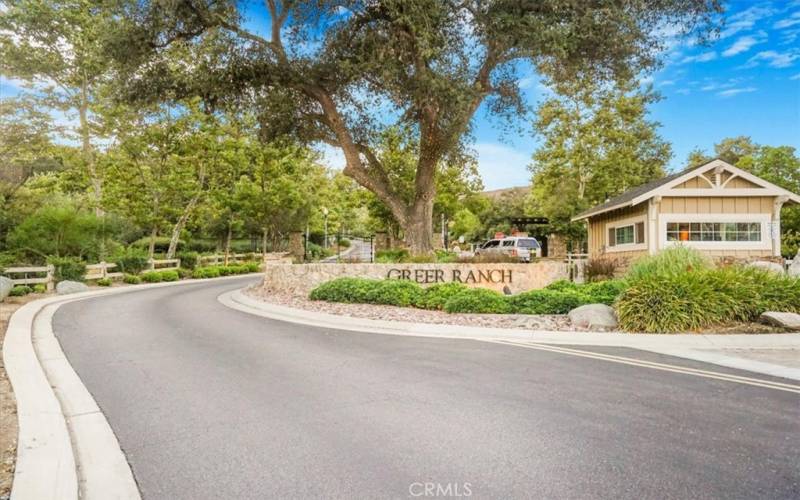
<point>597,143</point>
<point>326,70</point>
<point>56,46</point>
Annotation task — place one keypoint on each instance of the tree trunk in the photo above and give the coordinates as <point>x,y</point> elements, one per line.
<point>418,227</point>
<point>264,242</point>
<point>86,149</point>
<point>228,242</point>
<point>151,250</point>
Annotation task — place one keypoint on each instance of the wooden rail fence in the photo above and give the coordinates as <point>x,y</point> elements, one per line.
<point>163,264</point>
<point>100,271</point>
<point>48,279</point>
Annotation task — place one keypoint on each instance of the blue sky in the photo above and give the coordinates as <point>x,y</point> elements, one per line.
<point>745,82</point>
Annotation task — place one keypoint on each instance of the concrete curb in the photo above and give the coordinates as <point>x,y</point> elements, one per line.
<point>680,345</point>
<point>65,447</point>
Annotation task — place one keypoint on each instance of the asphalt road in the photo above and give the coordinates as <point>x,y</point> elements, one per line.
<point>209,402</point>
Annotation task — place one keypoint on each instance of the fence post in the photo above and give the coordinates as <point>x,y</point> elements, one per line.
<point>51,272</point>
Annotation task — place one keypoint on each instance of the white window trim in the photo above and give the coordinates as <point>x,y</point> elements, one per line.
<point>764,219</point>
<point>627,247</point>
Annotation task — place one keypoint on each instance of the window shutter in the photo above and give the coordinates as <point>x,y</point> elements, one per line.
<point>640,232</point>
<point>612,236</point>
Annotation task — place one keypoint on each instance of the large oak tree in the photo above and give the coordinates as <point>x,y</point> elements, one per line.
<point>342,71</point>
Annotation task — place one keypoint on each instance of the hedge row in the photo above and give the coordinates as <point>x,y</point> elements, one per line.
<point>559,298</point>
<point>229,270</point>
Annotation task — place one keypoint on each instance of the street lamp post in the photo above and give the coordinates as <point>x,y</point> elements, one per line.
<point>325,214</point>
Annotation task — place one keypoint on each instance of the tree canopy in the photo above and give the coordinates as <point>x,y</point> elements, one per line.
<point>341,72</point>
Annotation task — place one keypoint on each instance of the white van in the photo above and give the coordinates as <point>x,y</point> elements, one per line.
<point>522,247</point>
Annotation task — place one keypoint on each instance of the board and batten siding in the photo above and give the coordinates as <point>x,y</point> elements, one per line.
<point>722,205</point>
<point>597,231</point>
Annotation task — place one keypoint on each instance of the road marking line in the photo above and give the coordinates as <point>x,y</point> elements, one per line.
<point>655,366</point>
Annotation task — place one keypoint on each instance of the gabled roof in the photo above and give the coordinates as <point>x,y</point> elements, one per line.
<point>644,192</point>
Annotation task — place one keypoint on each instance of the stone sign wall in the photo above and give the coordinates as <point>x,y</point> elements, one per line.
<point>302,278</point>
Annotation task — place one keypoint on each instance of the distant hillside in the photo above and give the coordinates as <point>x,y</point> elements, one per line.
<point>496,194</point>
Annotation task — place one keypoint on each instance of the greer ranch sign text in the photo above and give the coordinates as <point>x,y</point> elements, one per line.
<point>466,276</point>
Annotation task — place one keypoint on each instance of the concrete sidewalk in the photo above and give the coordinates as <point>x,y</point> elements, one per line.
<point>777,355</point>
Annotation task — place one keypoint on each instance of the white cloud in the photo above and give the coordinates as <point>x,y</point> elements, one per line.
<point>745,43</point>
<point>666,83</point>
<point>704,57</point>
<point>773,58</point>
<point>745,20</point>
<point>733,92</point>
<point>788,22</point>
<point>795,77</point>
<point>501,166</point>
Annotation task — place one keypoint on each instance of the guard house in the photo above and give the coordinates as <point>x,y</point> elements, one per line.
<point>716,208</point>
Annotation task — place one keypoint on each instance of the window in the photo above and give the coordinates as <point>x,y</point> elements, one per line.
<point>713,231</point>
<point>624,235</point>
<point>491,244</point>
<point>508,243</point>
<point>528,243</point>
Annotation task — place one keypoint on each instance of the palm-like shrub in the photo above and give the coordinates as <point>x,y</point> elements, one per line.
<point>669,262</point>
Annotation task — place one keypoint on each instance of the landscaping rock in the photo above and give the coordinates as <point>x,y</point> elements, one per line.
<point>781,319</point>
<point>67,287</point>
<point>598,317</point>
<point>794,269</point>
<point>767,266</point>
<point>5,287</point>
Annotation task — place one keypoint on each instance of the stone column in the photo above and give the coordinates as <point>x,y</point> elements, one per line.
<point>296,248</point>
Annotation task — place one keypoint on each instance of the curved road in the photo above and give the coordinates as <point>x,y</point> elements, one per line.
<point>208,402</point>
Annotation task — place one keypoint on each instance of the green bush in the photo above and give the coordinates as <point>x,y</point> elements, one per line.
<point>343,242</point>
<point>161,246</point>
<point>104,282</point>
<point>704,298</point>
<point>202,246</point>
<point>562,286</point>
<point>188,259</point>
<point>391,255</point>
<point>152,277</point>
<point>435,296</point>
<point>185,273</point>
<point>546,302</point>
<point>600,269</point>
<point>478,300</point>
<point>169,275</point>
<point>68,269</point>
<point>401,293</point>
<point>131,261</point>
<point>20,290</point>
<point>131,279</point>
<point>206,272</point>
<point>253,267</point>
<point>603,292</point>
<point>316,252</point>
<point>351,290</point>
<point>40,288</point>
<point>669,262</point>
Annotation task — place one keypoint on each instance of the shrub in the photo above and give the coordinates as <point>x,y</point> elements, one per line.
<point>445,257</point>
<point>206,272</point>
<point>253,267</point>
<point>352,290</point>
<point>169,275</point>
<point>161,246</point>
<point>202,246</point>
<point>104,282</point>
<point>152,277</point>
<point>478,300</point>
<point>669,262</point>
<point>600,269</point>
<point>40,288</point>
<point>391,255</point>
<point>562,286</point>
<point>401,293</point>
<point>132,261</point>
<point>131,279</point>
<point>435,296</point>
<point>314,251</point>
<point>20,291</point>
<point>188,259</point>
<point>67,268</point>
<point>343,242</point>
<point>184,273</point>
<point>704,298</point>
<point>603,292</point>
<point>546,302</point>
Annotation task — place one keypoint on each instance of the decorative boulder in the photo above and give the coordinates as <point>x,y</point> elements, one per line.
<point>598,317</point>
<point>794,268</point>
<point>5,287</point>
<point>767,266</point>
<point>781,319</point>
<point>67,287</point>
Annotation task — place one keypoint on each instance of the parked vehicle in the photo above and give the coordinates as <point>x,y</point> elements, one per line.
<point>524,248</point>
